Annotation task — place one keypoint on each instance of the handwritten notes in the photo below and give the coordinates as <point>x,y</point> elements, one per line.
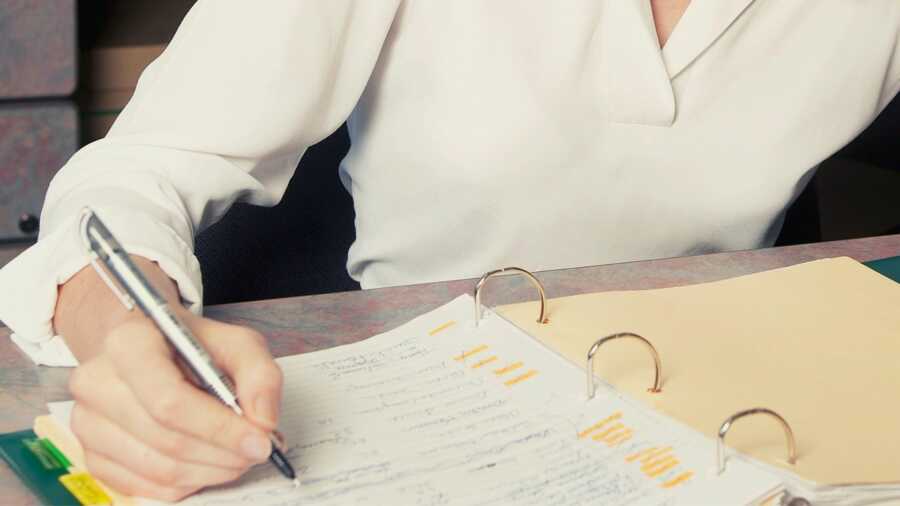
<point>439,412</point>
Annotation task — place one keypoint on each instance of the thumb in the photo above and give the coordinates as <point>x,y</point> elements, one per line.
<point>242,353</point>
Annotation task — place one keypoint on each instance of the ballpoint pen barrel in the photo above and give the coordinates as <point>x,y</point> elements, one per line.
<point>102,246</point>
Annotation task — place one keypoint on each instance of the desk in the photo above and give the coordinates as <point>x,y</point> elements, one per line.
<point>302,324</point>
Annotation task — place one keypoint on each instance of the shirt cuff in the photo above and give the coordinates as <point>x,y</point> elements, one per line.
<point>30,281</point>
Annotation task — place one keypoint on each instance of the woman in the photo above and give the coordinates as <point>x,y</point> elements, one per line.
<point>550,134</point>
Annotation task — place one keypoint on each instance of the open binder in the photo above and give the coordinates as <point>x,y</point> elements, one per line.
<point>798,367</point>
<point>445,409</point>
<point>646,344</point>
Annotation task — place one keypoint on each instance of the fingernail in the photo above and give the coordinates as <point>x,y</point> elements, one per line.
<point>256,447</point>
<point>266,408</point>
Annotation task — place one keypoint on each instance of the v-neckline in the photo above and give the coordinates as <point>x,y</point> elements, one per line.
<point>660,43</point>
<point>701,24</point>
<point>640,73</point>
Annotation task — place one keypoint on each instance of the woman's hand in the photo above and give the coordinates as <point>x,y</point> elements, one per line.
<point>147,431</point>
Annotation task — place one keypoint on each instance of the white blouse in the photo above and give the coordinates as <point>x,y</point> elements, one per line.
<point>533,133</point>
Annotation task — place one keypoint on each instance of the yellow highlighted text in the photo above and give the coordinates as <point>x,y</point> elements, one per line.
<point>441,327</point>
<point>602,435</point>
<point>601,423</point>
<point>467,354</point>
<point>485,362</point>
<point>655,453</point>
<point>635,456</point>
<point>681,478</point>
<point>509,368</point>
<point>659,470</point>
<point>651,466</point>
<point>522,377</point>
<point>616,439</point>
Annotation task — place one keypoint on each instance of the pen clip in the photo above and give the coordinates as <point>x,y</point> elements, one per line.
<point>126,299</point>
<point>86,215</point>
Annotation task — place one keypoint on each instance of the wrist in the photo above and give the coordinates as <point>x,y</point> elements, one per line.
<point>87,310</point>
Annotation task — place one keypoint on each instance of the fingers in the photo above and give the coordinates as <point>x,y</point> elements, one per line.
<point>126,482</point>
<point>118,404</point>
<point>242,353</point>
<point>143,361</point>
<point>109,441</point>
<point>149,431</point>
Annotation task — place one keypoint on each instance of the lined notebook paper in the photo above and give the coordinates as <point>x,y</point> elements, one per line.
<point>439,412</point>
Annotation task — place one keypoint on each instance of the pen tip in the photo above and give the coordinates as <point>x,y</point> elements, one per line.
<point>296,482</point>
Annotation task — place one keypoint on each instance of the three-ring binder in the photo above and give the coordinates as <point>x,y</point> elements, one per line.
<point>725,357</point>
<point>726,425</point>
<point>592,352</point>
<point>481,282</point>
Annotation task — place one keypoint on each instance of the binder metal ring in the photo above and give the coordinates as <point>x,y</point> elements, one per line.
<point>593,353</point>
<point>726,425</point>
<point>480,285</point>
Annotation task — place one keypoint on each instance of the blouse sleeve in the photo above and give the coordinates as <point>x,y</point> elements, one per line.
<point>223,115</point>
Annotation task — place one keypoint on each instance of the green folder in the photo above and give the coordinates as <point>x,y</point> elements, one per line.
<point>39,465</point>
<point>887,267</point>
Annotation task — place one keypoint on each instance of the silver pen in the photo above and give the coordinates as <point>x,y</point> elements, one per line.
<point>103,247</point>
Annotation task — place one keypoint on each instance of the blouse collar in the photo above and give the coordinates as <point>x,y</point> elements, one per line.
<point>639,74</point>
<point>703,23</point>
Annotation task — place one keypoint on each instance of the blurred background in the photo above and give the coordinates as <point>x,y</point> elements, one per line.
<point>68,67</point>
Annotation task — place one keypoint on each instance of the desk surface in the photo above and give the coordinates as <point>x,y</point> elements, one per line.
<point>301,324</point>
